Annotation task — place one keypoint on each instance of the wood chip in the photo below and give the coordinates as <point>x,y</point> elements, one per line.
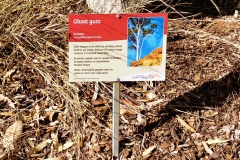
<point>185,124</point>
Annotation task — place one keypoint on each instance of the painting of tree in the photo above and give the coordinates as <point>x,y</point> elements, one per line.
<point>142,33</point>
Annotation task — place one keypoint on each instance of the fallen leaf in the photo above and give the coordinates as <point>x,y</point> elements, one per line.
<point>65,146</point>
<point>185,124</point>
<point>12,134</point>
<point>216,141</point>
<point>149,150</point>
<point>207,148</point>
<point>40,146</point>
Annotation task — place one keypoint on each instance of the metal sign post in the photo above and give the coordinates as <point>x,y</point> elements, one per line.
<point>116,113</point>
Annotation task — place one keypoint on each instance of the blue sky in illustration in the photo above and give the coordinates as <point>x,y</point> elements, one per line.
<point>151,42</point>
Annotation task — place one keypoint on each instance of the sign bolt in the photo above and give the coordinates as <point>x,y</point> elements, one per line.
<point>118,16</point>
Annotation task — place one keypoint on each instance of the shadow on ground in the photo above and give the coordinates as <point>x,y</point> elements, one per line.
<point>211,94</point>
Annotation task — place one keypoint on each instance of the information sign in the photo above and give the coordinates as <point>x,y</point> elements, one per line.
<point>130,47</point>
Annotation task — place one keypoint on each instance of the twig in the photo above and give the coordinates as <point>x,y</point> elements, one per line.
<point>216,6</point>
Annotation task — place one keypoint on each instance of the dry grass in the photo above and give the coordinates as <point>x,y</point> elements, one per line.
<point>34,72</point>
<point>34,44</point>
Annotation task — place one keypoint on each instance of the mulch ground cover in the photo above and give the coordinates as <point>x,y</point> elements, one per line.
<point>194,114</point>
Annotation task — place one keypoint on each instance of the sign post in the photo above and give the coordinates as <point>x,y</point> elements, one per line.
<point>131,47</point>
<point>116,113</point>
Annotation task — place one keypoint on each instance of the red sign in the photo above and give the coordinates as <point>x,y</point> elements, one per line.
<point>103,27</point>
